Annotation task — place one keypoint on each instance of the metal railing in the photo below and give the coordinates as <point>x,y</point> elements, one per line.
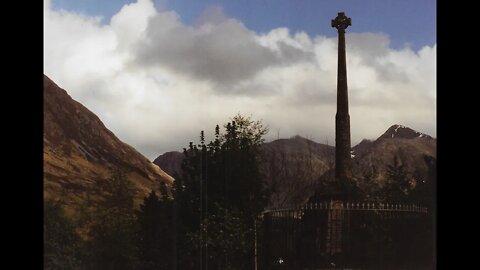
<point>335,205</point>
<point>336,234</point>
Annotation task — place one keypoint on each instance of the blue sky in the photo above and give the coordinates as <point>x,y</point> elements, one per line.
<point>156,81</point>
<point>406,22</point>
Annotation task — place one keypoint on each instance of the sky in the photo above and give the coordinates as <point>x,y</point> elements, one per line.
<point>158,72</point>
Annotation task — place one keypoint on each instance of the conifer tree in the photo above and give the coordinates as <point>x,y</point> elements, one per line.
<point>219,197</point>
<point>61,242</point>
<point>112,232</point>
<point>155,236</point>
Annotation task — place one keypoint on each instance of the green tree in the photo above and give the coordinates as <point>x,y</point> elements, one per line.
<point>225,172</point>
<point>61,242</point>
<point>224,237</point>
<point>397,186</point>
<point>112,232</point>
<point>425,189</point>
<point>155,219</point>
<point>370,185</point>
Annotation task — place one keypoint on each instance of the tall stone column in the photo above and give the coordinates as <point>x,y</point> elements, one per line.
<point>342,118</point>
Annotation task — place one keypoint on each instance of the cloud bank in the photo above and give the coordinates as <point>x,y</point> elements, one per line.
<point>156,82</point>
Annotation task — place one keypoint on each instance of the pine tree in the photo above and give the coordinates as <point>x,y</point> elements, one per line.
<point>61,242</point>
<point>225,172</point>
<point>397,187</point>
<point>112,234</point>
<point>155,219</point>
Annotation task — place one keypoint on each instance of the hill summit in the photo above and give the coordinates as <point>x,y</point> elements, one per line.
<point>80,153</point>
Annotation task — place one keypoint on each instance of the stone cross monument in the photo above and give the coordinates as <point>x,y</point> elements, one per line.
<point>342,119</point>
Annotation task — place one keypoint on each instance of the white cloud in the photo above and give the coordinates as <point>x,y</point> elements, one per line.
<point>156,82</point>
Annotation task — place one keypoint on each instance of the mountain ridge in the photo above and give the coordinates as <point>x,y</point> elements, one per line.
<point>80,152</point>
<point>294,167</point>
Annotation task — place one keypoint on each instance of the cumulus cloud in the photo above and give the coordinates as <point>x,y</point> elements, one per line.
<point>219,50</point>
<point>156,82</point>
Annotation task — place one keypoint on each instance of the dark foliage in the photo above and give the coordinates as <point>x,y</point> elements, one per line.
<point>156,231</point>
<point>219,196</point>
<point>112,232</point>
<point>61,242</point>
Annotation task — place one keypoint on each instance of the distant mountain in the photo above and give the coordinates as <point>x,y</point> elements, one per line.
<point>80,152</point>
<point>402,132</point>
<point>171,162</point>
<point>410,147</point>
<point>295,168</point>
<point>291,166</point>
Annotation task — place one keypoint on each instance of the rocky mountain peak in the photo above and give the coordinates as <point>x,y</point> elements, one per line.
<point>402,132</point>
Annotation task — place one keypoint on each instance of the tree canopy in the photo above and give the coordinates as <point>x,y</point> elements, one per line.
<point>220,195</point>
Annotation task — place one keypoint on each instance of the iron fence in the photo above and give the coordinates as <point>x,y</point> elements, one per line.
<point>345,235</point>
